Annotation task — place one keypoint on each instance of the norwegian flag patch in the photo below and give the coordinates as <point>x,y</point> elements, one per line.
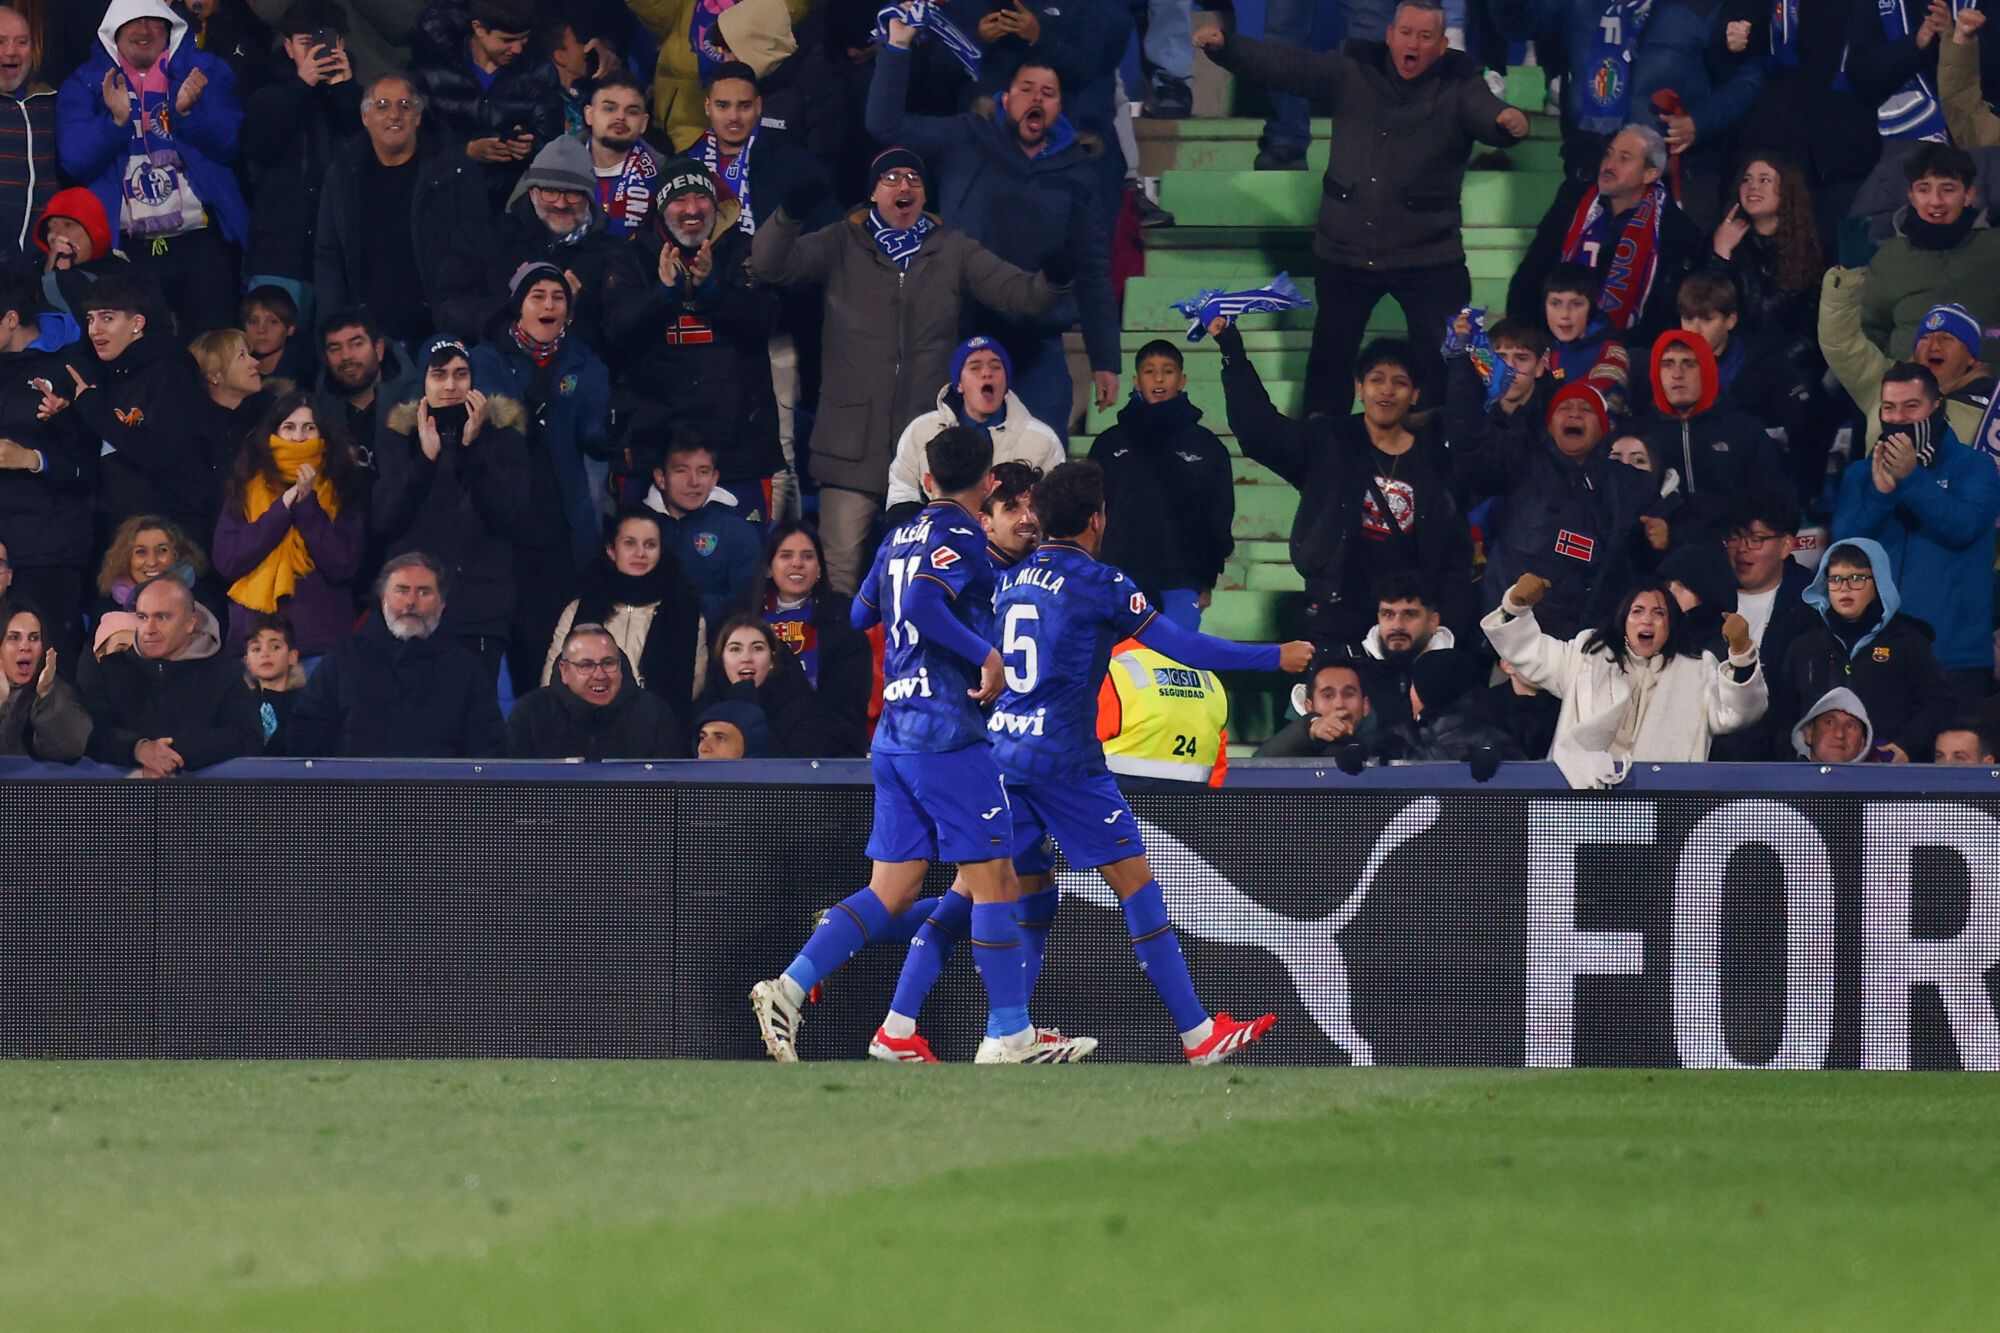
<point>943,557</point>
<point>1575,545</point>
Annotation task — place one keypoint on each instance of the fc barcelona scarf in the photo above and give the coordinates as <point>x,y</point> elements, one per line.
<point>1635,254</point>
<point>1605,91</point>
<point>630,197</point>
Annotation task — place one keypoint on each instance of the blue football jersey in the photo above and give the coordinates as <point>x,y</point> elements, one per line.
<point>925,706</point>
<point>1058,611</point>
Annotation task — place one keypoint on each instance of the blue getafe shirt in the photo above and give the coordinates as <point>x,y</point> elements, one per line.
<point>925,706</point>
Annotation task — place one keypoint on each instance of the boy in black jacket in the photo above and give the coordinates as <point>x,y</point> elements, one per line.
<point>1167,488</point>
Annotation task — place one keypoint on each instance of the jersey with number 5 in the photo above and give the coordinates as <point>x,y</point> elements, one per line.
<point>1058,612</point>
<point>925,706</point>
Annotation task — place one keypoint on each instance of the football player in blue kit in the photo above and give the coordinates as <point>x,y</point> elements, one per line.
<point>1056,614</point>
<point>938,791</point>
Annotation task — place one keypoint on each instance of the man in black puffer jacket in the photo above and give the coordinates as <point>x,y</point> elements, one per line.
<point>143,398</point>
<point>1389,215</point>
<point>480,82</point>
<point>1374,495</point>
<point>172,703</point>
<point>594,711</point>
<point>1165,472</point>
<point>396,688</point>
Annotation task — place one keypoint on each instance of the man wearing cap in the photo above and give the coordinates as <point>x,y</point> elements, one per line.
<point>1572,512</point>
<point>693,331</point>
<point>896,282</point>
<point>1019,181</point>
<point>567,394</point>
<point>150,124</point>
<point>979,395</point>
<point>1947,344</point>
<point>553,218</point>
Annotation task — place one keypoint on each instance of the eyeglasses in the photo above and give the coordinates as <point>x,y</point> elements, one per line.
<point>901,178</point>
<point>1751,541</point>
<point>384,103</point>
<point>1849,580</point>
<point>609,666</point>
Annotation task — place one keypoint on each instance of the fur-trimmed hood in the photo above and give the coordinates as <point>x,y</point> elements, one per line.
<point>501,411</point>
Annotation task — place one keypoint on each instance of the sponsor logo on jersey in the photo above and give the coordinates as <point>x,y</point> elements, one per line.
<point>910,687</point>
<point>1015,724</point>
<point>944,557</point>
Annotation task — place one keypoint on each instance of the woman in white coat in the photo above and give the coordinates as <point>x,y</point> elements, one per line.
<point>1634,690</point>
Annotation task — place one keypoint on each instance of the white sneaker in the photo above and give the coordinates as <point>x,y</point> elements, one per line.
<point>777,1019</point>
<point>1048,1048</point>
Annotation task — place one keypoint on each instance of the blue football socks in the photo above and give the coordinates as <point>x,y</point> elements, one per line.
<point>1037,913</point>
<point>950,916</point>
<point>849,926</point>
<point>1159,951</point>
<point>996,952</point>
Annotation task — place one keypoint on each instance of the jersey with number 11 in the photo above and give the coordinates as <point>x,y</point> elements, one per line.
<point>925,707</point>
<point>1058,613</point>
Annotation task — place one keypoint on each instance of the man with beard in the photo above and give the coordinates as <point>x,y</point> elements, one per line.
<point>896,283</point>
<point>366,250</point>
<point>626,168</point>
<point>174,703</point>
<point>694,332</point>
<point>1407,626</point>
<point>552,218</point>
<point>366,375</point>
<point>396,688</point>
<point>1020,182</point>
<point>28,176</point>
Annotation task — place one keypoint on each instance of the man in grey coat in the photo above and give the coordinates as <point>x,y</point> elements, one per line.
<point>1409,111</point>
<point>895,282</point>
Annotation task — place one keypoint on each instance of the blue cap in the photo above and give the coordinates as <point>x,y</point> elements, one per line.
<point>1955,320</point>
<point>982,343</point>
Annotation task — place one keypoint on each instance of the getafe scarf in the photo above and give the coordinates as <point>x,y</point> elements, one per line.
<point>929,17</point>
<point>1635,256</point>
<point>1913,110</point>
<point>900,246</point>
<point>1606,89</point>
<point>1205,305</point>
<point>708,152</point>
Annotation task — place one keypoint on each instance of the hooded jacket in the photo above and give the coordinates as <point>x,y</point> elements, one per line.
<point>888,333</point>
<point>1396,171</point>
<point>28,178</point>
<point>1937,530</point>
<point>554,722</point>
<point>1387,682</point>
<point>1718,451</point>
<point>1890,665</point>
<point>701,354</point>
<point>1575,525</point>
<point>469,294</point>
<point>525,93</point>
<point>565,407</point>
<point>1839,699</point>
<point>148,407</point>
<point>375,696</point>
<point>1019,207</point>
<point>1904,282</point>
<point>1331,461</point>
<point>1020,437</point>
<point>199,699</point>
<point>458,509</point>
<point>94,148</point>
<point>1165,472</point>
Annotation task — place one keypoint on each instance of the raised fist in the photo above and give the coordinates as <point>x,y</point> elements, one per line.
<point>1737,630</point>
<point>1527,590</point>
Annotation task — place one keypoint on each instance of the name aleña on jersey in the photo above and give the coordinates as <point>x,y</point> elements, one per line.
<point>925,706</point>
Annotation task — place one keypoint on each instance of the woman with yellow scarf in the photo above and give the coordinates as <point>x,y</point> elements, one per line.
<point>292,528</point>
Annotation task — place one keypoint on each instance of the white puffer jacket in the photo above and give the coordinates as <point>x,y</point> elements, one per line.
<point>1019,438</point>
<point>1693,699</point>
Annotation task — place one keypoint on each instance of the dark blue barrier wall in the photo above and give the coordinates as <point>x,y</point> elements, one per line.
<point>1712,915</point>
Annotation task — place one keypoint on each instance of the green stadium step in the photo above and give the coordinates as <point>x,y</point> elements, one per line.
<point>1149,305</point>
<point>1291,198</point>
<point>1252,616</point>
<point>1277,240</point>
<point>1264,513</point>
<point>1233,268</point>
<point>1157,158</point>
<point>1250,128</point>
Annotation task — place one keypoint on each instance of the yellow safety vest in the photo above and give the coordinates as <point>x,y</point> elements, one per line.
<point>1159,719</point>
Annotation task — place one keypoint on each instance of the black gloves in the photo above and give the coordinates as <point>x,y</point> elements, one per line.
<point>1350,759</point>
<point>1059,267</point>
<point>1484,762</point>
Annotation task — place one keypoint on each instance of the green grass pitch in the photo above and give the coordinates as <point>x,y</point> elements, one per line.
<point>530,1195</point>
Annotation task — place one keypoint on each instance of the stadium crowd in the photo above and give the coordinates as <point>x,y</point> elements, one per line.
<point>520,377</point>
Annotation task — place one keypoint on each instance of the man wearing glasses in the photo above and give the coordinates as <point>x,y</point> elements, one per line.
<point>589,713</point>
<point>1763,534</point>
<point>364,251</point>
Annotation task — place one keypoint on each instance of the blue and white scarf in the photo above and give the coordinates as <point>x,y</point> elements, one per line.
<point>1604,90</point>
<point>1913,110</point>
<point>708,151</point>
<point>1206,305</point>
<point>900,246</point>
<point>928,16</point>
